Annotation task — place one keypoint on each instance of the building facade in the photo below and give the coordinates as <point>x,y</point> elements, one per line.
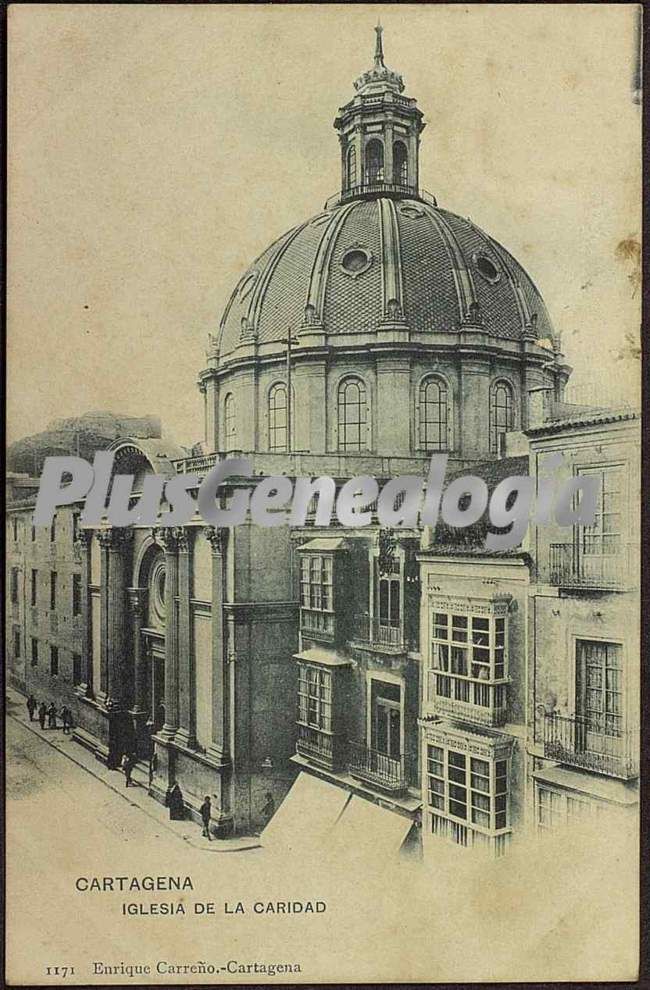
<point>397,674</point>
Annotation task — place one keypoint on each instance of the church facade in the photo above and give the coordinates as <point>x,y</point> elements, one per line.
<point>378,332</point>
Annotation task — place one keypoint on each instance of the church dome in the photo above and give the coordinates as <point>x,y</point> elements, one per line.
<point>383,260</point>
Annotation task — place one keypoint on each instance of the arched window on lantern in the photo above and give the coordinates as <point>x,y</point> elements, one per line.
<point>374,162</point>
<point>278,417</point>
<point>400,164</point>
<point>229,422</point>
<point>502,413</point>
<point>434,414</point>
<point>352,166</point>
<point>352,415</point>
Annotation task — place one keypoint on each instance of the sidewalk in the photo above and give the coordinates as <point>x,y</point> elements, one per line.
<point>137,796</point>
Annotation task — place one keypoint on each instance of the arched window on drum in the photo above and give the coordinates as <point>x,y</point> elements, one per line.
<point>278,417</point>
<point>374,162</point>
<point>400,164</point>
<point>352,415</point>
<point>229,422</point>
<point>434,415</point>
<point>502,414</point>
<point>352,166</point>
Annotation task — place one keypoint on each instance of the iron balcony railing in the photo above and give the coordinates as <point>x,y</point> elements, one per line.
<point>592,744</point>
<point>482,702</point>
<point>570,566</point>
<point>381,188</point>
<point>379,769</point>
<point>378,631</point>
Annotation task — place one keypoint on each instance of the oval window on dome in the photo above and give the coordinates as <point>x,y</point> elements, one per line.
<point>487,268</point>
<point>356,260</point>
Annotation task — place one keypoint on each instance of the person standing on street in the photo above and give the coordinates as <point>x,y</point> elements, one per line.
<point>128,762</point>
<point>31,707</point>
<point>51,716</point>
<point>175,803</point>
<point>206,809</point>
<point>42,712</point>
<point>66,719</point>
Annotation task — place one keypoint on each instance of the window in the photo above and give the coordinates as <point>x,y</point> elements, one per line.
<point>229,421</point>
<point>469,663</point>
<point>315,698</point>
<point>386,718</point>
<point>53,581</point>
<point>317,613</point>
<point>34,652</point>
<point>77,677</point>
<point>400,164</point>
<point>388,601</point>
<point>433,415</point>
<point>501,414</point>
<point>33,533</point>
<point>16,644</point>
<point>466,794</point>
<point>54,660</point>
<point>374,161</point>
<point>278,417</point>
<point>14,523</point>
<point>53,529</point>
<point>352,166</point>
<point>352,415</point>
<point>75,527</point>
<point>76,594</point>
<point>34,586</point>
<point>14,585</point>
<point>599,692</point>
<point>604,536</point>
<point>557,808</point>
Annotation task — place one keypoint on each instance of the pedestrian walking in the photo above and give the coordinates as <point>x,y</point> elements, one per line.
<point>66,720</point>
<point>31,707</point>
<point>269,808</point>
<point>175,803</point>
<point>128,762</point>
<point>51,716</point>
<point>206,810</point>
<point>42,712</point>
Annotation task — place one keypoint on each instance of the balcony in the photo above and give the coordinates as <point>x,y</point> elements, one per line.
<point>378,769</point>
<point>468,699</point>
<point>571,567</point>
<point>319,746</point>
<point>381,188</point>
<point>591,745</point>
<point>379,633</point>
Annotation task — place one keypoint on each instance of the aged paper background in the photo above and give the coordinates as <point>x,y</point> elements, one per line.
<point>154,150</point>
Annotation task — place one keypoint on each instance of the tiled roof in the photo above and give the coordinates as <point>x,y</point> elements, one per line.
<point>431,259</point>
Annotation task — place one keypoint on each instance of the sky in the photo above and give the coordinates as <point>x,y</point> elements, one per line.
<point>156,150</point>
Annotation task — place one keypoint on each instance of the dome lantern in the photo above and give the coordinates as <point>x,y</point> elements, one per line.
<point>379,132</point>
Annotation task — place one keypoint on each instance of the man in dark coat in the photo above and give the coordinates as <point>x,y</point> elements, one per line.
<point>51,716</point>
<point>206,810</point>
<point>128,762</point>
<point>175,803</point>
<point>31,707</point>
<point>66,719</point>
<point>42,712</point>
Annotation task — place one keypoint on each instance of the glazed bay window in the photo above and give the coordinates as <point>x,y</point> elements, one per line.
<point>468,675</point>
<point>315,735</point>
<point>467,797</point>
<point>316,594</point>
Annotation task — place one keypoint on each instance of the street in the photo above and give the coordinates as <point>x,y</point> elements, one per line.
<point>63,823</point>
